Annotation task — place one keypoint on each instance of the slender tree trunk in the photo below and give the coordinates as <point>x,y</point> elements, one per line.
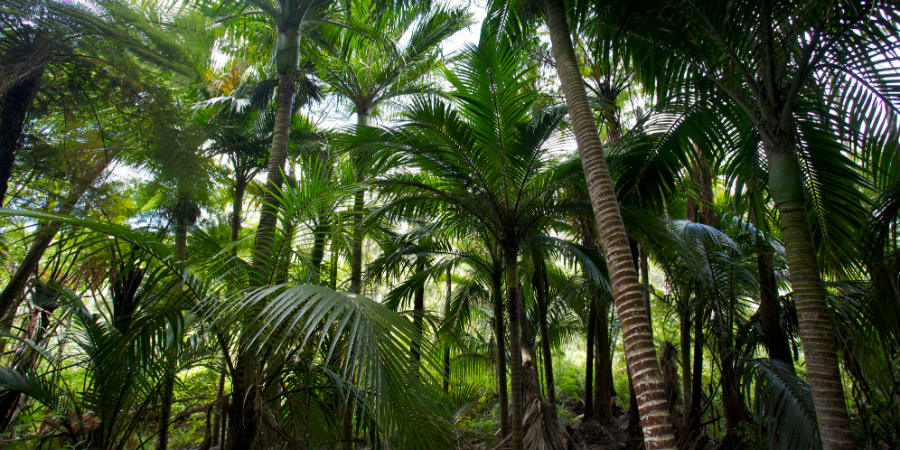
<point>218,411</point>
<point>500,338</point>
<point>813,315</point>
<point>237,205</point>
<point>684,328</point>
<point>317,254</point>
<point>589,360</point>
<point>630,307</point>
<point>14,290</point>
<point>168,381</point>
<point>356,256</point>
<point>165,411</point>
<point>282,269</point>
<point>697,383</point>
<point>14,107</point>
<point>515,343</point>
<point>219,423</point>
<point>243,411</point>
<point>333,266</point>
<point>542,291</point>
<point>415,348</point>
<point>359,203</point>
<point>446,384</point>
<point>603,387</point>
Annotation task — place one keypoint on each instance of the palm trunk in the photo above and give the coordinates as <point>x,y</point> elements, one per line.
<point>500,341</point>
<point>813,315</point>
<point>168,381</point>
<point>14,106</point>
<point>237,205</point>
<point>333,266</point>
<point>218,411</point>
<point>243,412</point>
<point>446,384</point>
<point>359,201</point>
<point>282,270</point>
<point>630,307</point>
<point>603,365</point>
<point>165,411</point>
<point>542,291</point>
<point>684,328</point>
<point>515,343</point>
<point>694,421</point>
<point>317,254</point>
<point>415,348</point>
<point>531,384</point>
<point>589,361</point>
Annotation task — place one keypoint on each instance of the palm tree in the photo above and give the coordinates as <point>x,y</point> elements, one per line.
<point>286,18</point>
<point>484,165</point>
<point>371,69</point>
<point>631,309</point>
<point>804,76</point>
<point>238,125</point>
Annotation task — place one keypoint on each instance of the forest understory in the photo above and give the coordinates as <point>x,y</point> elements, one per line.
<point>449,224</point>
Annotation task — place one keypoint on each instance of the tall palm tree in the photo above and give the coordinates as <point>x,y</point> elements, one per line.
<point>484,165</point>
<point>286,19</point>
<point>631,309</point>
<point>371,69</point>
<point>805,76</point>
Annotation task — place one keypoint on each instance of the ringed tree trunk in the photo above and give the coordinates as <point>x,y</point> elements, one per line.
<point>359,202</point>
<point>215,435</point>
<point>317,254</point>
<point>542,291</point>
<point>630,306</point>
<point>684,333</point>
<point>500,338</point>
<point>415,348</point>
<point>587,239</point>
<point>515,343</point>
<point>589,361</point>
<point>603,386</point>
<point>168,382</point>
<point>14,106</point>
<point>813,315</point>
<point>446,381</point>
<point>237,206</point>
<point>243,410</point>
<point>695,420</point>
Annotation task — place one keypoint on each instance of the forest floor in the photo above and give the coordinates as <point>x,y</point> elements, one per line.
<point>475,429</point>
